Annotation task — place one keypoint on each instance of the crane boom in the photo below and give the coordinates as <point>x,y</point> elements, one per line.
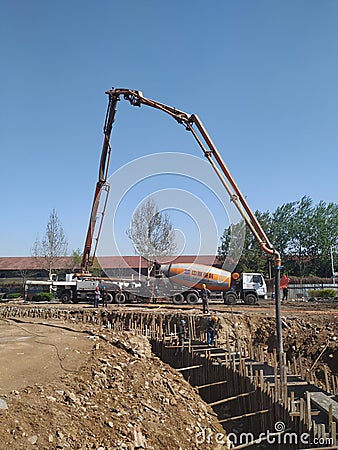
<point>101,186</point>
<point>209,149</point>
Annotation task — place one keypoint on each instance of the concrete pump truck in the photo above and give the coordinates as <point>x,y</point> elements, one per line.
<point>252,285</point>
<point>247,287</point>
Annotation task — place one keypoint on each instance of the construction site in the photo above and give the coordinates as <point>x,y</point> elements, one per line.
<point>123,375</point>
<point>78,377</point>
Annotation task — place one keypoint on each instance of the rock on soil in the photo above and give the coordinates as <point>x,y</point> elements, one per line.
<point>123,396</point>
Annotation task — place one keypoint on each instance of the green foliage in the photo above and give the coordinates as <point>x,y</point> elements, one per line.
<point>77,257</point>
<point>14,295</point>
<point>322,293</point>
<point>302,232</point>
<point>96,269</point>
<point>44,296</point>
<point>252,259</point>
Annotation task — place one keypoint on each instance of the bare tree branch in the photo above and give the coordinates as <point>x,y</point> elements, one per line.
<point>151,232</point>
<point>53,245</point>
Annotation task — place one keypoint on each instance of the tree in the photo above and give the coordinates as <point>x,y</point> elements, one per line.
<point>95,269</point>
<point>301,230</point>
<point>281,227</point>
<point>151,232</point>
<point>324,237</point>
<point>232,242</point>
<point>77,258</point>
<point>23,273</point>
<point>252,258</point>
<point>53,245</point>
<point>303,233</point>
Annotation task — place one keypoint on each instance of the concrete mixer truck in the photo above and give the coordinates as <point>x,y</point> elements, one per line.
<point>186,280</point>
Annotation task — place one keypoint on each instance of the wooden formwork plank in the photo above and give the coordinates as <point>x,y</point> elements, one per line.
<point>181,369</point>
<point>323,401</point>
<point>228,399</point>
<point>211,384</point>
<point>229,419</point>
<point>294,383</point>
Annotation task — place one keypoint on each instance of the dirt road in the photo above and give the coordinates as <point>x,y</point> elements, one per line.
<point>33,353</point>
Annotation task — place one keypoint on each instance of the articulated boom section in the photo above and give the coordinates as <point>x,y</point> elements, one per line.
<point>209,149</point>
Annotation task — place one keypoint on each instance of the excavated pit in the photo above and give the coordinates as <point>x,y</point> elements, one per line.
<point>240,334</point>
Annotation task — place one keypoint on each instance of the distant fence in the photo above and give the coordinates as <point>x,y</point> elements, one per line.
<point>300,290</point>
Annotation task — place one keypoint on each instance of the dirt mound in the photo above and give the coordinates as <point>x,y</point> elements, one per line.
<point>121,397</point>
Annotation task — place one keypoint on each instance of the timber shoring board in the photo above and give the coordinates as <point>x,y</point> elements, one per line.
<point>323,401</point>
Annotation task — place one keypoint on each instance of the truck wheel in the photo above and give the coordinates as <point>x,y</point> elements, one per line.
<point>178,299</point>
<point>109,298</point>
<point>120,298</point>
<point>191,298</point>
<point>66,297</point>
<point>230,299</point>
<point>250,299</point>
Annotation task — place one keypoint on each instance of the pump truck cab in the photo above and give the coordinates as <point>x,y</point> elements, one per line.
<point>78,289</point>
<point>247,287</point>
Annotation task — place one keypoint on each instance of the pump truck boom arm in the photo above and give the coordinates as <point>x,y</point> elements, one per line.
<point>209,149</point>
<point>101,185</point>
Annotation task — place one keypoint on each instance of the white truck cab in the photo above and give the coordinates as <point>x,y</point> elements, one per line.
<point>255,281</point>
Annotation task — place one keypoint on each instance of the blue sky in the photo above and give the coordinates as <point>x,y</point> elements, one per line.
<point>261,74</point>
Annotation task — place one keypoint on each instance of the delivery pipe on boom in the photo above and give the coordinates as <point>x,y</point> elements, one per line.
<point>136,98</point>
<point>236,196</point>
<point>101,186</point>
